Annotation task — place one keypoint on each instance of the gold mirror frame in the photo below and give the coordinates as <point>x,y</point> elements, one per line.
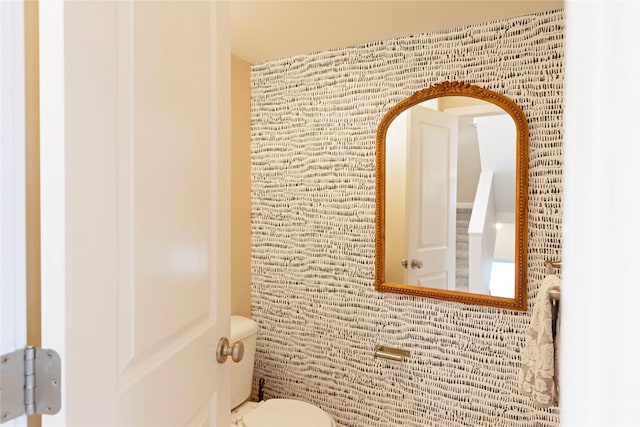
<point>519,302</point>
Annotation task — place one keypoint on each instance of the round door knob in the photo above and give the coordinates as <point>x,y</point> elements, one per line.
<point>224,350</point>
<point>416,264</point>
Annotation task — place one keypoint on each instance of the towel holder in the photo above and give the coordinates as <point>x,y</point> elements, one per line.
<point>552,266</point>
<point>554,296</point>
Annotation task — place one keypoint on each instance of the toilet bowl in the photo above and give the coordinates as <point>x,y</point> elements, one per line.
<point>271,412</point>
<point>280,413</point>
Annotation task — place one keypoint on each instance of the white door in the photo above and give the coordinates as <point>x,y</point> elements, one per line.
<point>431,205</point>
<point>13,331</point>
<point>135,200</point>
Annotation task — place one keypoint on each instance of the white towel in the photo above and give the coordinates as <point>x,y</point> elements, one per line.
<point>538,373</point>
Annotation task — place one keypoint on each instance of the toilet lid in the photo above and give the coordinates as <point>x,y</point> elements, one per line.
<point>287,413</point>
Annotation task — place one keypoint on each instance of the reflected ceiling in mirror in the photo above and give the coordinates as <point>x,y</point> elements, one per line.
<point>451,211</point>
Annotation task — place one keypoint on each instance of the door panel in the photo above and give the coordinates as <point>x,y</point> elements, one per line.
<point>164,200</point>
<point>146,218</point>
<point>432,178</point>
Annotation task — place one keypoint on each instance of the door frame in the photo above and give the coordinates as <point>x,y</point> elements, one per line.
<point>13,307</point>
<point>52,181</point>
<point>12,178</point>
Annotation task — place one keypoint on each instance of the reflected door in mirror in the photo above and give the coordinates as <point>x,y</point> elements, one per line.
<point>424,179</point>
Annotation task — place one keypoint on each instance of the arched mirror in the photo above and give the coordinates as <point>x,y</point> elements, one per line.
<point>451,203</point>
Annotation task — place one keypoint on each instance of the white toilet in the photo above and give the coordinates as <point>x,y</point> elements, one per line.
<point>268,413</point>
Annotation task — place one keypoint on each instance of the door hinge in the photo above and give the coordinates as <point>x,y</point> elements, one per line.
<point>29,383</point>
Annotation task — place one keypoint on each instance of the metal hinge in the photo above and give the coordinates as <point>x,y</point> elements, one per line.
<point>29,383</point>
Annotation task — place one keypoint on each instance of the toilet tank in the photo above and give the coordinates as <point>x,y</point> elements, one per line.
<point>245,330</point>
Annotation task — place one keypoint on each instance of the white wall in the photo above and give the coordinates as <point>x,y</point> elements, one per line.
<point>505,238</point>
<point>497,143</point>
<point>468,161</point>
<point>396,184</point>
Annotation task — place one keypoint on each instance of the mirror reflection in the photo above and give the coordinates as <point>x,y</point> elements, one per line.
<point>450,203</point>
<point>451,197</point>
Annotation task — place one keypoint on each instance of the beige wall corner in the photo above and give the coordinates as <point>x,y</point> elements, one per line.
<point>240,187</point>
<point>32,178</point>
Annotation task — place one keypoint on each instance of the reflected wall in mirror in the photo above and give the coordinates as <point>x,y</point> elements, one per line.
<point>451,206</point>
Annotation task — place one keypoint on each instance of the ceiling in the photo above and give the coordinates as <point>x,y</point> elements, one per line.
<point>263,30</point>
